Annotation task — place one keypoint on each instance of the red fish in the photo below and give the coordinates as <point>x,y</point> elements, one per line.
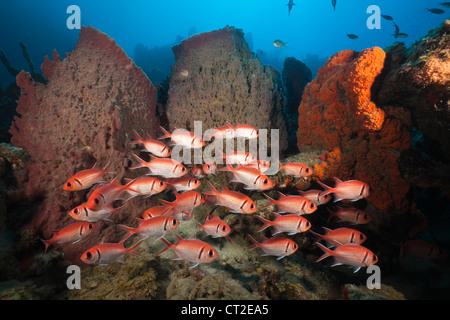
<point>197,172</point>
<point>85,178</point>
<point>251,177</point>
<point>215,227</point>
<point>146,186</point>
<point>275,246</point>
<point>183,138</point>
<point>165,167</point>
<point>292,204</point>
<point>350,214</point>
<point>347,190</point>
<point>315,196</point>
<point>184,183</point>
<point>351,254</point>
<point>236,201</point>
<point>192,250</point>
<point>155,147</point>
<point>261,165</point>
<point>222,133</point>
<point>153,227</point>
<point>185,201</point>
<point>421,249</point>
<point>104,253</point>
<point>83,213</point>
<point>244,131</point>
<point>72,233</point>
<point>341,236</point>
<point>210,168</point>
<point>290,223</point>
<point>236,157</point>
<point>296,169</point>
<point>106,194</point>
<point>153,212</point>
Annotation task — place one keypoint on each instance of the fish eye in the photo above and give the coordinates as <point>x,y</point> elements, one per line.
<point>96,201</point>
<point>88,255</point>
<point>361,236</point>
<point>68,184</point>
<point>182,169</point>
<point>307,224</point>
<point>210,253</point>
<point>90,226</point>
<point>307,170</point>
<point>174,222</point>
<point>223,228</point>
<point>374,257</point>
<point>311,205</point>
<point>265,181</point>
<point>365,216</point>
<point>207,166</point>
<point>161,183</point>
<point>252,206</point>
<point>295,246</point>
<point>75,210</point>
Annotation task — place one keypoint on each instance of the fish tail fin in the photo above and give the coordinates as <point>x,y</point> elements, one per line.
<point>319,236</point>
<point>141,163</point>
<point>131,249</point>
<point>227,167</point>
<point>256,243</point>
<point>168,245</point>
<point>327,251</point>
<point>213,191</point>
<point>267,223</point>
<point>127,187</point>
<point>130,230</point>
<point>105,169</point>
<point>272,201</point>
<point>167,134</point>
<point>47,243</point>
<point>139,139</point>
<point>327,189</point>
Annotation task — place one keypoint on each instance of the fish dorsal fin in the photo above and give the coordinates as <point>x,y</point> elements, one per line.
<point>179,238</point>
<point>281,194</point>
<point>229,125</point>
<point>95,165</point>
<point>327,229</point>
<point>114,180</point>
<point>338,180</point>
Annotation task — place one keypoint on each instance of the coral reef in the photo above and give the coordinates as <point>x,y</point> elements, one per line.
<point>93,100</point>
<point>217,79</point>
<point>336,115</point>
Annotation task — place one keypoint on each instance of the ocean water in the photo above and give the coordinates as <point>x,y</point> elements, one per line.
<point>311,32</point>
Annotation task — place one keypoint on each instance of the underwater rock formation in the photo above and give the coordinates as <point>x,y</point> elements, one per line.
<point>363,141</point>
<point>216,78</point>
<point>85,114</point>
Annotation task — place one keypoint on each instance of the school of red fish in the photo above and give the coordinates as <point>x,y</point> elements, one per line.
<point>158,221</point>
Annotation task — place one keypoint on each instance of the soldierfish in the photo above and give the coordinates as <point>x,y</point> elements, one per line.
<point>296,169</point>
<point>251,177</point>
<point>192,250</point>
<point>153,212</point>
<point>106,194</point>
<point>157,226</point>
<point>197,172</point>
<point>222,133</point>
<point>341,236</point>
<point>292,204</point>
<point>215,227</point>
<point>290,223</point>
<point>351,254</point>
<point>155,147</point>
<point>183,138</point>
<point>165,167</point>
<point>314,196</point>
<point>85,179</point>
<point>350,214</point>
<point>146,186</point>
<point>235,157</point>
<point>347,190</point>
<point>83,213</point>
<point>276,246</point>
<point>185,201</point>
<point>420,249</point>
<point>183,183</point>
<point>72,233</point>
<point>244,131</point>
<point>261,165</point>
<point>104,253</point>
<point>236,201</point>
<point>210,168</point>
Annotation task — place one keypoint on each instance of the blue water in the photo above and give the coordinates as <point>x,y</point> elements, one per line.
<point>313,30</point>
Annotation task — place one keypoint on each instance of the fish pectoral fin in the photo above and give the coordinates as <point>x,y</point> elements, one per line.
<point>336,264</point>
<point>279,258</point>
<point>191,267</point>
<point>356,269</point>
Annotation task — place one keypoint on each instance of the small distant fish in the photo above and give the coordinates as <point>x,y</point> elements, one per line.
<point>352,36</point>
<point>436,11</point>
<point>104,253</point>
<point>347,190</point>
<point>279,44</point>
<point>402,35</point>
<point>155,147</point>
<point>350,254</point>
<point>192,250</point>
<point>210,168</point>
<point>85,179</point>
<point>72,233</point>
<point>187,200</point>
<point>397,30</point>
<point>314,196</point>
<point>83,213</point>
<point>236,157</point>
<point>165,167</point>
<point>290,223</point>
<point>296,169</point>
<point>215,227</point>
<point>420,249</point>
<point>341,236</point>
<point>183,183</point>
<point>389,18</point>
<point>236,201</point>
<point>445,4</point>
<point>333,3</point>
<point>106,194</point>
<point>251,177</point>
<point>292,204</point>
<point>153,227</point>
<point>197,172</point>
<point>350,214</point>
<point>244,131</point>
<point>146,186</point>
<point>290,5</point>
<point>183,138</point>
<point>276,246</point>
